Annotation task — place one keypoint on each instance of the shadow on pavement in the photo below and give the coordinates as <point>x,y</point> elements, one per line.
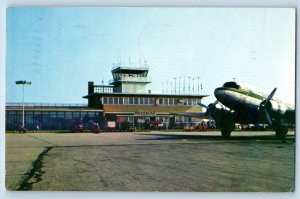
<point>259,138</point>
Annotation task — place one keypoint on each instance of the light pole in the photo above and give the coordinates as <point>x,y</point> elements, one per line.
<point>23,82</point>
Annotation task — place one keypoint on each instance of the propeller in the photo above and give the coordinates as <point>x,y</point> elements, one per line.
<point>263,106</point>
<point>209,108</point>
<point>202,105</point>
<point>214,104</point>
<point>270,96</point>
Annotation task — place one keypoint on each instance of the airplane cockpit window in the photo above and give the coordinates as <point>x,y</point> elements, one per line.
<point>232,85</point>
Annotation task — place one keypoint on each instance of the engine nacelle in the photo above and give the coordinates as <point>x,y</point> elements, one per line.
<point>223,118</point>
<point>275,108</point>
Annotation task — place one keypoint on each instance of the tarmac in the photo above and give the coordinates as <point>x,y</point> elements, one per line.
<point>150,161</point>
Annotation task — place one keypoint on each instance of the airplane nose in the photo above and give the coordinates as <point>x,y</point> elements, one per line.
<point>219,92</point>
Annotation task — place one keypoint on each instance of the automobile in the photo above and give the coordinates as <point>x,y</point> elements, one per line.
<point>95,127</point>
<point>78,127</point>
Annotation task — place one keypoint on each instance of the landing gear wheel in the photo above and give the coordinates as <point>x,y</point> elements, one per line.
<point>226,133</point>
<point>281,132</point>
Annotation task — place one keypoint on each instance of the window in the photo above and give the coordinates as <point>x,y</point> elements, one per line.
<point>116,100</point>
<point>120,100</point>
<point>194,101</point>
<point>179,101</point>
<point>189,101</point>
<point>53,114</point>
<point>136,100</point>
<point>11,117</point>
<point>196,120</point>
<point>104,100</point>
<point>186,119</point>
<point>125,100</point>
<point>160,101</point>
<point>166,101</point>
<point>146,100</point>
<point>171,101</point>
<point>76,115</point>
<point>231,85</point>
<point>29,117</point>
<point>45,114</point>
<point>161,119</point>
<point>141,100</point>
<point>151,101</point>
<point>110,100</point>
<point>130,119</point>
<point>37,115</point>
<point>178,119</point>
<point>131,100</point>
<point>61,114</point>
<point>91,114</point>
<point>184,101</point>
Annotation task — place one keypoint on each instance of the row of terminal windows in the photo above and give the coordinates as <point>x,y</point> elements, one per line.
<point>178,119</point>
<point>149,101</point>
<point>185,119</point>
<point>55,120</point>
<point>103,89</point>
<point>127,100</point>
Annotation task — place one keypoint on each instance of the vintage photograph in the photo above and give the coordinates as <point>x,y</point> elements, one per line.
<point>154,99</point>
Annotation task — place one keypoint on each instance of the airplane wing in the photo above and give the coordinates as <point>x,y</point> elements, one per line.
<point>192,114</point>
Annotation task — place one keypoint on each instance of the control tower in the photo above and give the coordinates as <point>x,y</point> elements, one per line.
<point>130,79</point>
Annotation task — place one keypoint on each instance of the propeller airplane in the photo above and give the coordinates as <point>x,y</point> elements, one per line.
<point>246,105</point>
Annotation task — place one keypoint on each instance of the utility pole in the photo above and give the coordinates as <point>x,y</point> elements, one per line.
<point>23,83</point>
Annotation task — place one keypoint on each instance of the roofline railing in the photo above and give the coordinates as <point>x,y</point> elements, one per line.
<point>131,79</point>
<point>142,66</point>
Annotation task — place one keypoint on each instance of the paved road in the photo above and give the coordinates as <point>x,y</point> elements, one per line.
<point>151,161</point>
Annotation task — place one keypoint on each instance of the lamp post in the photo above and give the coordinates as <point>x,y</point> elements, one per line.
<point>23,83</point>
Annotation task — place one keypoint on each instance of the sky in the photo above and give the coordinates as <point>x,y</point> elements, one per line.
<point>60,49</point>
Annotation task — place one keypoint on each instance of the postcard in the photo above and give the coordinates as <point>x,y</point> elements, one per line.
<point>150,99</point>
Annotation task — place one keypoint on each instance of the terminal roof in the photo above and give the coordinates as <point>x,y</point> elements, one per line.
<point>144,95</point>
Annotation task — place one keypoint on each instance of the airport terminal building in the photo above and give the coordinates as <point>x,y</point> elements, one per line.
<point>125,100</point>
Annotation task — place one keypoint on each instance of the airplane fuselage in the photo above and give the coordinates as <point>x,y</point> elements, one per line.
<point>244,100</point>
<point>236,99</point>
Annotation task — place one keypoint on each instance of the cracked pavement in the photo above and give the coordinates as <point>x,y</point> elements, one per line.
<point>152,161</point>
